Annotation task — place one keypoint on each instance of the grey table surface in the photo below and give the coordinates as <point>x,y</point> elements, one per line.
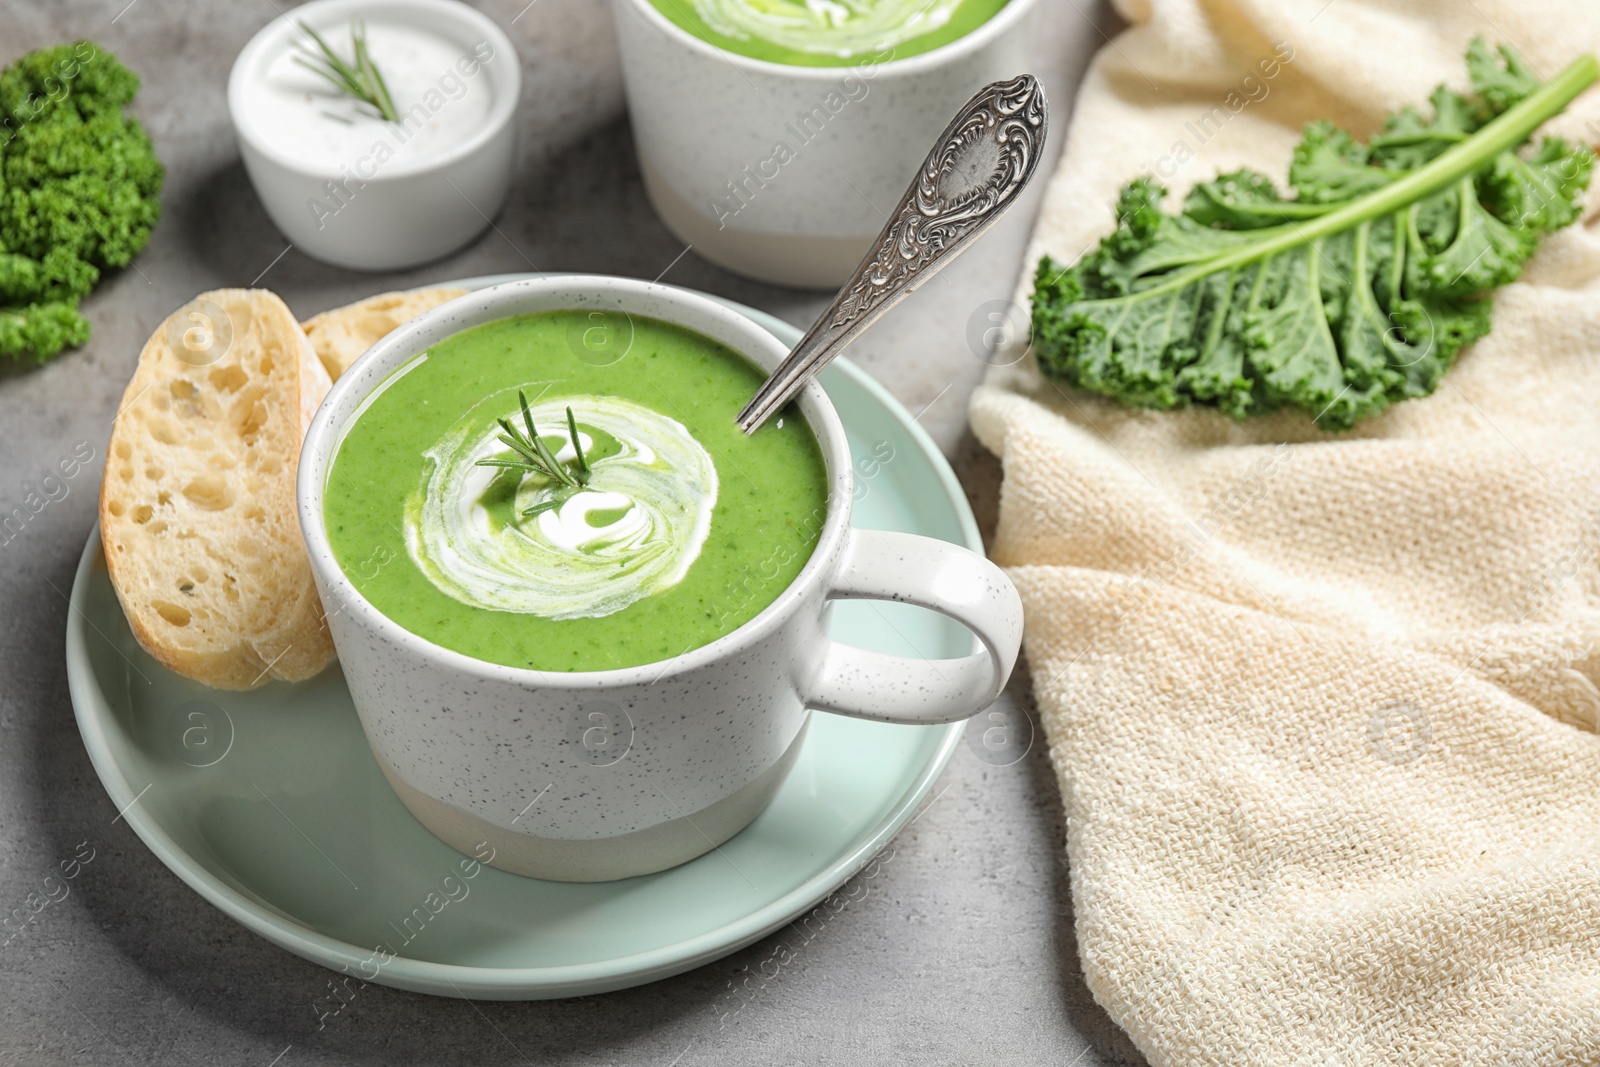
<point>960,950</point>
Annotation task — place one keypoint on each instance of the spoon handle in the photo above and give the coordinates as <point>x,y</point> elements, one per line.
<point>972,177</point>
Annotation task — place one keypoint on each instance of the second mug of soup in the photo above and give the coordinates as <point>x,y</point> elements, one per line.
<point>776,148</point>
<point>602,660</point>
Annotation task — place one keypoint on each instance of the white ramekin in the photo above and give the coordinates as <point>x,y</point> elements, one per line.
<point>400,216</point>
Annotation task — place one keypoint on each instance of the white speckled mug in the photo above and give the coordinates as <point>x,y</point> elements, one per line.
<point>784,173</point>
<point>588,776</point>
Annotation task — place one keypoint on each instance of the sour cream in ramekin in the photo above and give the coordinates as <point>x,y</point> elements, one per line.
<point>350,188</point>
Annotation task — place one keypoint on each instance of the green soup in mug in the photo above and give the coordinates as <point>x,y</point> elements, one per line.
<point>683,530</point>
<point>828,33</point>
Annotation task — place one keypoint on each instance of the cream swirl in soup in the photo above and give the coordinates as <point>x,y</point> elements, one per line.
<point>834,27</point>
<point>511,540</point>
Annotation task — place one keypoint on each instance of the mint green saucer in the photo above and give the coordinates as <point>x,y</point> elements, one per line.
<point>270,806</point>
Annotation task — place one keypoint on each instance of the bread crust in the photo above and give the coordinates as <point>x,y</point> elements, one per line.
<point>198,511</point>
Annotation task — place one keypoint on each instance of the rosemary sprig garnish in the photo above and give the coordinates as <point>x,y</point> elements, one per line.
<point>533,456</point>
<point>359,78</point>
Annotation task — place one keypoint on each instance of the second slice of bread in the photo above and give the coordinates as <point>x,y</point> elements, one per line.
<point>340,335</point>
<point>197,509</point>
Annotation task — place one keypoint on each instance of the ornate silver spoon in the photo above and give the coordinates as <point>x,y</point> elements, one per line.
<point>972,177</point>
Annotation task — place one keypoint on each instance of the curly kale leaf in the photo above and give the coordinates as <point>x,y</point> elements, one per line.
<point>42,329</point>
<point>1355,291</point>
<point>79,191</point>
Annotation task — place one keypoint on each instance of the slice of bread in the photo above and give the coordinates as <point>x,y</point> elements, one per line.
<point>340,335</point>
<point>197,509</point>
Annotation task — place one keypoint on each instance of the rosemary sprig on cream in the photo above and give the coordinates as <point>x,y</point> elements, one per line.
<point>358,78</point>
<point>532,456</point>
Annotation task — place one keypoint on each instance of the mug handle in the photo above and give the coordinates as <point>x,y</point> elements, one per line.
<point>955,582</point>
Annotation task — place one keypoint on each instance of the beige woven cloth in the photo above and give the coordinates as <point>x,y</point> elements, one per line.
<point>1323,708</point>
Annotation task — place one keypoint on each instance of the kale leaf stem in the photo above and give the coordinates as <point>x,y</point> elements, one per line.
<point>1504,132</point>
